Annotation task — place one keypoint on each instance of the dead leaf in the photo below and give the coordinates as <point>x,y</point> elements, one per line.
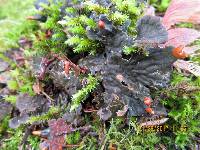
<point>154,122</point>
<point>191,50</point>
<point>112,146</point>
<point>37,88</point>
<point>123,111</point>
<point>58,129</point>
<point>104,113</point>
<point>162,146</point>
<point>187,66</point>
<point>181,36</point>
<point>182,11</point>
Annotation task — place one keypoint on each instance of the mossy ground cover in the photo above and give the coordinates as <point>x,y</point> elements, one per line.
<point>12,22</point>
<point>63,40</point>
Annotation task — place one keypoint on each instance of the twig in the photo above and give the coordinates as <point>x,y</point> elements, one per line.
<point>76,68</point>
<point>90,110</point>
<point>47,96</point>
<point>44,64</point>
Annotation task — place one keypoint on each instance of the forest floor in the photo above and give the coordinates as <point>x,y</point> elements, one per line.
<point>58,110</point>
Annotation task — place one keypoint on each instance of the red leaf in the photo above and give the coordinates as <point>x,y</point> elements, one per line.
<point>181,36</point>
<point>195,18</point>
<point>59,127</point>
<point>182,11</point>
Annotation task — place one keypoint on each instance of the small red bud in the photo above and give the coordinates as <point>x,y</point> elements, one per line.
<point>101,24</point>
<point>149,110</point>
<point>147,98</point>
<point>147,101</point>
<point>179,53</point>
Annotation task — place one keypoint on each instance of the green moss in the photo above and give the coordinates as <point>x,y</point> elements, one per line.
<point>13,141</point>
<point>11,98</point>
<point>129,50</point>
<point>12,84</point>
<point>14,24</point>
<point>55,43</point>
<point>73,138</point>
<point>185,25</point>
<point>160,5</point>
<point>184,110</point>
<point>22,81</point>
<point>52,113</point>
<point>77,38</point>
<point>70,34</point>
<point>88,143</point>
<point>125,10</point>
<point>131,137</point>
<point>82,94</point>
<point>34,142</point>
<point>4,125</point>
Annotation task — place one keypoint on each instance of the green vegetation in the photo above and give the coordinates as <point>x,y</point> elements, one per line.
<point>131,138</point>
<point>13,24</point>
<point>77,38</point>
<point>4,126</point>
<point>82,94</point>
<point>73,138</point>
<point>160,5</point>
<point>68,36</point>
<point>22,80</point>
<point>55,43</point>
<point>52,113</point>
<point>14,140</point>
<point>184,108</point>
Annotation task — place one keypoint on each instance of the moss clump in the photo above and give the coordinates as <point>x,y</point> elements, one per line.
<point>82,94</point>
